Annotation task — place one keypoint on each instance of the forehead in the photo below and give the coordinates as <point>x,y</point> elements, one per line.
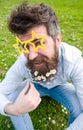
<point>39,30</point>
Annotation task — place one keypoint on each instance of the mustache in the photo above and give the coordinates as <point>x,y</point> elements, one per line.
<point>39,59</point>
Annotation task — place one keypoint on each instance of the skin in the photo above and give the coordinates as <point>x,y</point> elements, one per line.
<point>29,101</point>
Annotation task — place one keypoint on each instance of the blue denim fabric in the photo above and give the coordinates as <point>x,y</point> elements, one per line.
<point>64,94</point>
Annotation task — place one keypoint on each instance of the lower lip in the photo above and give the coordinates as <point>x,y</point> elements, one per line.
<point>38,65</point>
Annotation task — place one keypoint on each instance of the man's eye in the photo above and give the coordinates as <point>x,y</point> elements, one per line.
<point>27,46</point>
<point>23,46</point>
<point>37,43</point>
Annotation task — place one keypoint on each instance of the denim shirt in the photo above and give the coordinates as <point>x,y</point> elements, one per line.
<point>70,68</point>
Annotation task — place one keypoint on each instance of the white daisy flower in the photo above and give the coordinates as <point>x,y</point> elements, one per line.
<point>53,71</point>
<point>48,74</point>
<point>39,78</point>
<point>36,73</point>
<point>44,79</point>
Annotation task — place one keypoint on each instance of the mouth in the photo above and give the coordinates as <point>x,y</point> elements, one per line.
<point>38,64</point>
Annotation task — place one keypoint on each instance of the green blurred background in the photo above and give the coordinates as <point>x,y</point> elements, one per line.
<point>50,115</point>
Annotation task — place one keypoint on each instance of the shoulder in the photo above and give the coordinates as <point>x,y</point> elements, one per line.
<point>70,60</point>
<point>22,59</point>
<point>69,53</point>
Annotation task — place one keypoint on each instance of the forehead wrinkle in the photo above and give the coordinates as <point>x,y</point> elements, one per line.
<point>27,37</point>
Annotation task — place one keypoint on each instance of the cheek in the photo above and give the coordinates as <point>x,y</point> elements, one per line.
<point>50,48</point>
<point>48,53</point>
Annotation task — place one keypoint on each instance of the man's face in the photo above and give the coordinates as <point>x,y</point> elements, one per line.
<point>42,62</point>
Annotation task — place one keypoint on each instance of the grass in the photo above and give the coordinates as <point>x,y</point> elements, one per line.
<point>49,115</point>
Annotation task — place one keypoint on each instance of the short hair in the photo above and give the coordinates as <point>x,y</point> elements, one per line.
<point>25,17</point>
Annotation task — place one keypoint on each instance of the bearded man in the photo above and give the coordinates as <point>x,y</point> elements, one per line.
<point>44,68</point>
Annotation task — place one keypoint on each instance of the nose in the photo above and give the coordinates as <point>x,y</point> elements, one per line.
<point>32,54</point>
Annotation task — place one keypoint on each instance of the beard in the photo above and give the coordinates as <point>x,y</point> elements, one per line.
<point>45,66</point>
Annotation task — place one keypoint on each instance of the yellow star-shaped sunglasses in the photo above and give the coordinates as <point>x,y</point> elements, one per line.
<point>37,42</point>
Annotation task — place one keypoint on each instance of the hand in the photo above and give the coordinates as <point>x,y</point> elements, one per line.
<point>27,100</point>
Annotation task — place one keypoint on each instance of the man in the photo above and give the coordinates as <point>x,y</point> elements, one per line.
<point>46,63</point>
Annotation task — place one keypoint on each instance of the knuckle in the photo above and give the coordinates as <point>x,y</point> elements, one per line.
<point>34,105</point>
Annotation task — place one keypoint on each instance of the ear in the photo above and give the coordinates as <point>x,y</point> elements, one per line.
<point>58,40</point>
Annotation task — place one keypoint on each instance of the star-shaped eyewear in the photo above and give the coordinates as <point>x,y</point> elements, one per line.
<point>37,42</point>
